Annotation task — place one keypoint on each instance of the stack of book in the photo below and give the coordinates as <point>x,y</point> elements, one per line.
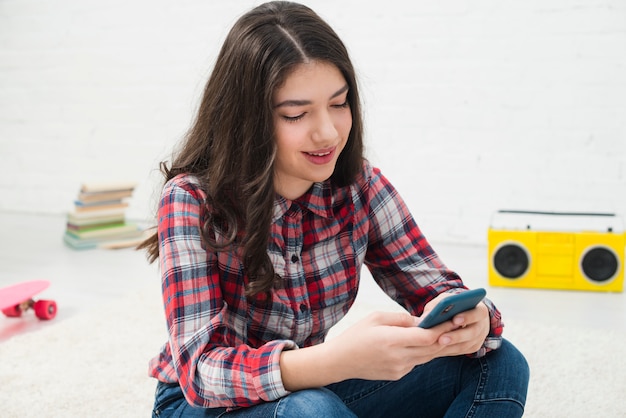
<point>99,217</point>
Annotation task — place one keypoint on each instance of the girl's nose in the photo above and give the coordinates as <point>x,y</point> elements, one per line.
<point>325,129</point>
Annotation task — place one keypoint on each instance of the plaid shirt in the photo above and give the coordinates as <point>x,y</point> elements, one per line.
<point>224,350</point>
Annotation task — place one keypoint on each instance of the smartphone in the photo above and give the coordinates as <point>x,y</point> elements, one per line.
<point>453,305</point>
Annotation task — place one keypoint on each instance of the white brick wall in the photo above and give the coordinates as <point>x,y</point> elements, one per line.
<point>471,106</point>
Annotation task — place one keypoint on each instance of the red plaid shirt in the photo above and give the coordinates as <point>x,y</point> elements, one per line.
<point>223,349</point>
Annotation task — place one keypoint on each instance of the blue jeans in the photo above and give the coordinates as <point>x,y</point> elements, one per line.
<point>491,386</point>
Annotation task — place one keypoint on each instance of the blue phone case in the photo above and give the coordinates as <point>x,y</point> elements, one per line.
<point>451,306</point>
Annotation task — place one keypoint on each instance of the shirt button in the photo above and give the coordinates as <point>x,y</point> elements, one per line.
<point>294,258</point>
<point>303,308</point>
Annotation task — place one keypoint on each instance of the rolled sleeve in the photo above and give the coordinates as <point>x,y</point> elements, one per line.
<point>241,376</point>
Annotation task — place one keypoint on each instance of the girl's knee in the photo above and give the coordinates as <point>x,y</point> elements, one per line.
<point>312,403</point>
<point>515,360</point>
<point>509,368</point>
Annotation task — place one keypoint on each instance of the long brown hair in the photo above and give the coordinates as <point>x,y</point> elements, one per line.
<point>230,146</point>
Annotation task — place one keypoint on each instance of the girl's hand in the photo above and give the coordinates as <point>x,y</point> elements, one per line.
<point>469,332</point>
<point>388,345</point>
<point>382,346</point>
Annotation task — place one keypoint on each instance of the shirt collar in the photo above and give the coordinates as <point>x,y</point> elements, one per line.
<point>318,199</point>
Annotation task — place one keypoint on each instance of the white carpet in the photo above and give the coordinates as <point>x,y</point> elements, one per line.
<point>94,365</point>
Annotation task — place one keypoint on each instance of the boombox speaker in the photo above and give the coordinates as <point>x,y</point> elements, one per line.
<point>548,250</point>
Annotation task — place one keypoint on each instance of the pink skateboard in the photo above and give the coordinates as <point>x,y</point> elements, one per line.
<point>18,298</point>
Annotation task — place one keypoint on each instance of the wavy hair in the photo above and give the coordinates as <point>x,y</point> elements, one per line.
<point>230,146</point>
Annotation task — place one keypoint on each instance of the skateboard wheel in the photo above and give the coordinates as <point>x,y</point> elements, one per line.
<point>13,311</point>
<point>45,309</point>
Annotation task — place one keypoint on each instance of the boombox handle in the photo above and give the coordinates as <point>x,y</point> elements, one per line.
<point>616,224</point>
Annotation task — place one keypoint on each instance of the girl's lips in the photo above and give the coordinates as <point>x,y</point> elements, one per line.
<point>321,156</point>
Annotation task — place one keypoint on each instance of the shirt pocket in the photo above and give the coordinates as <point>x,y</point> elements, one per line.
<point>277,319</point>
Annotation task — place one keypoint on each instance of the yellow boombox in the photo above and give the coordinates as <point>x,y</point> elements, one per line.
<point>549,250</point>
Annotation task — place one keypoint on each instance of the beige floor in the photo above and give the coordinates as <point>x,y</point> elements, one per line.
<point>31,248</point>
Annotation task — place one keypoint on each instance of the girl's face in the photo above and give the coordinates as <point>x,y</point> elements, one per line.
<point>312,121</point>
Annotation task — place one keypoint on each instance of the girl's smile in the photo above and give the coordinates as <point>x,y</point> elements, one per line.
<point>321,156</point>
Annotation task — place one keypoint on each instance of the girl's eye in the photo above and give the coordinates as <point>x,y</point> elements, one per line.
<point>294,118</point>
<point>342,105</point>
